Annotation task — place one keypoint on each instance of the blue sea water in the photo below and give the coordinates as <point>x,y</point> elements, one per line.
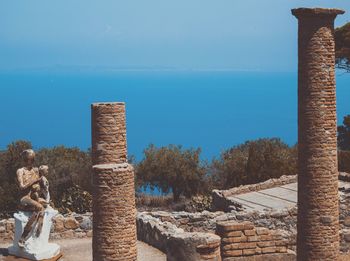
<point>211,110</point>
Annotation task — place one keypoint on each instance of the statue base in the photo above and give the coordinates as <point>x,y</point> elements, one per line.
<point>35,248</point>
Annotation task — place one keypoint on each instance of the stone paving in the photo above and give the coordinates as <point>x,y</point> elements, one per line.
<point>280,197</point>
<point>80,249</point>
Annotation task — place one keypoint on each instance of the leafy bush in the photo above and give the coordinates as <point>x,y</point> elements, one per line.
<point>344,161</point>
<point>342,46</point>
<point>199,203</point>
<point>344,134</point>
<point>172,169</point>
<point>253,162</point>
<point>74,199</point>
<point>144,200</point>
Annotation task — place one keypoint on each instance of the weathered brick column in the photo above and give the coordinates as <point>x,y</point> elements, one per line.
<point>318,213</point>
<point>114,212</point>
<point>108,133</point>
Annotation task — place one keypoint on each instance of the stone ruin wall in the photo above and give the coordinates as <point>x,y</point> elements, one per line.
<point>175,242</point>
<point>281,221</point>
<point>64,226</point>
<point>233,239</point>
<point>243,239</point>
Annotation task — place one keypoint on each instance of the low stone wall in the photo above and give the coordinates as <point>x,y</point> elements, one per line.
<point>161,224</point>
<point>175,242</point>
<point>68,226</point>
<point>344,176</point>
<point>244,239</point>
<point>222,202</point>
<point>161,230</point>
<point>283,220</point>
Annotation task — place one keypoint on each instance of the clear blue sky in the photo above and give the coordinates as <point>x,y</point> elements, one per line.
<point>183,34</point>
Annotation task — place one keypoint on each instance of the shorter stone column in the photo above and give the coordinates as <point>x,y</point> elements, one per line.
<point>114,222</point>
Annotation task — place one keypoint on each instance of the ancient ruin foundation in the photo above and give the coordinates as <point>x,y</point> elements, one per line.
<point>114,220</point>
<point>318,213</point>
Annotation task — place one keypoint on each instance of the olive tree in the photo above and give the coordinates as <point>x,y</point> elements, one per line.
<point>172,168</point>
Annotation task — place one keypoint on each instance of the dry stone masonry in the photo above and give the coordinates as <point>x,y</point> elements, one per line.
<point>177,243</point>
<point>114,222</point>
<point>318,213</point>
<point>244,239</point>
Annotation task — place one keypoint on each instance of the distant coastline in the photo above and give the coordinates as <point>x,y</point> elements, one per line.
<point>211,110</point>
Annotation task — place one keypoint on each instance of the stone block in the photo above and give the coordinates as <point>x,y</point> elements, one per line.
<point>2,229</point>
<point>249,252</point>
<point>10,225</point>
<point>266,250</point>
<point>86,223</point>
<point>247,245</point>
<point>234,239</point>
<point>281,249</point>
<point>250,232</point>
<point>71,223</point>
<point>228,226</point>
<point>261,231</point>
<point>267,237</point>
<point>252,238</point>
<point>59,225</point>
<point>281,242</point>
<point>233,234</point>
<point>230,246</point>
<point>232,253</point>
<point>266,243</point>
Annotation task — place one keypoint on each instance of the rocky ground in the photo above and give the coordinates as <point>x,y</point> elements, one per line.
<point>80,249</point>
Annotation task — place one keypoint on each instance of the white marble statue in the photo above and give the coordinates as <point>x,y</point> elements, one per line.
<point>34,219</point>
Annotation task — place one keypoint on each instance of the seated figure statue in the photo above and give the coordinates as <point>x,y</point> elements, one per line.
<point>34,219</point>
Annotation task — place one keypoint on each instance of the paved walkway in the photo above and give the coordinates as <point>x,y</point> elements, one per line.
<point>273,198</point>
<point>80,249</point>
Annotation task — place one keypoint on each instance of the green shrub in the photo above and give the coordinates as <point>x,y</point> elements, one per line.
<point>172,169</point>
<point>344,161</point>
<point>253,162</point>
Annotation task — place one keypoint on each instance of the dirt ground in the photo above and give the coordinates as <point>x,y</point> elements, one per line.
<point>80,249</point>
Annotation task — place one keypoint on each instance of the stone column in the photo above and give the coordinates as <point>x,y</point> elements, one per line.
<point>318,213</point>
<point>108,133</point>
<point>114,212</point>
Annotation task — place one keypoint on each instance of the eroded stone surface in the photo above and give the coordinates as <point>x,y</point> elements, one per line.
<point>108,133</point>
<point>177,243</point>
<point>114,222</point>
<point>318,210</point>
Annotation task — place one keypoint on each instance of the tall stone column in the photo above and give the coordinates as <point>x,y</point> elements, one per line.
<point>318,213</point>
<point>114,212</point>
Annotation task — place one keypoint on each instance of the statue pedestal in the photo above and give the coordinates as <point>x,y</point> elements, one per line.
<point>35,248</point>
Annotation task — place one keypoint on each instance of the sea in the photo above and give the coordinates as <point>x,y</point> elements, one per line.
<point>213,110</point>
